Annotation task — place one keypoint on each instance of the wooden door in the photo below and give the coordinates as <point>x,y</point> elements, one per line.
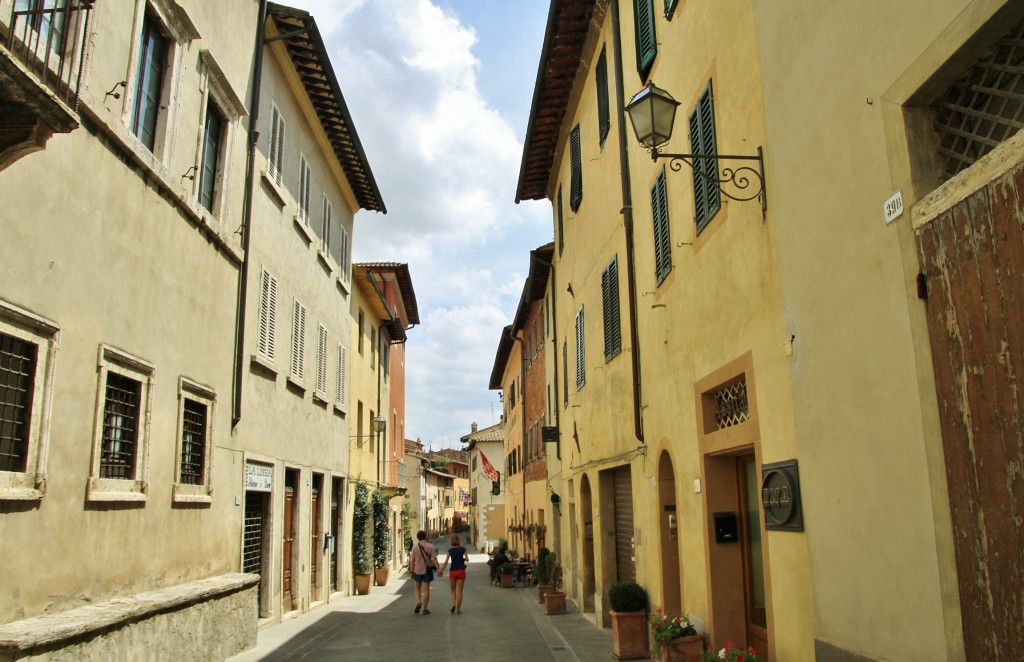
<point>625,559</point>
<point>335,500</point>
<point>315,553</point>
<point>755,596</point>
<point>287,595</point>
<point>972,261</point>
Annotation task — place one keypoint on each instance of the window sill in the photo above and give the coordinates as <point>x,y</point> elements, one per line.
<point>340,411</point>
<point>297,384</point>
<point>343,286</point>
<point>181,496</point>
<point>321,399</point>
<point>304,230</point>
<point>115,489</point>
<point>263,364</point>
<point>325,262</point>
<point>272,186</point>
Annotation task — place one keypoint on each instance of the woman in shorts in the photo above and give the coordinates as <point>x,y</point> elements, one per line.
<point>457,577</point>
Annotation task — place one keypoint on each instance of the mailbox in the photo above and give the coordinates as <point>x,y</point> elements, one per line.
<point>726,529</point>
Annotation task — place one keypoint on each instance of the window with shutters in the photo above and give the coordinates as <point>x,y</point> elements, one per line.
<point>610,305</point>
<point>707,199</point>
<point>565,374</point>
<point>646,38</point>
<point>604,120</point>
<point>561,226</point>
<point>341,382</point>
<point>321,362</point>
<point>275,158</point>
<point>149,82</point>
<point>305,178</point>
<point>576,169</point>
<point>213,133</point>
<point>670,7</point>
<point>581,376</point>
<point>361,322</point>
<point>345,256</point>
<point>28,346</point>
<point>326,218</point>
<point>298,343</point>
<point>195,441</point>
<point>266,339</point>
<point>373,347</point>
<point>662,234</point>
<point>222,110</point>
<point>121,435</point>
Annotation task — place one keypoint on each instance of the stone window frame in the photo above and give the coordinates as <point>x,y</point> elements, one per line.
<point>15,321</point>
<point>183,492</point>
<point>113,360</point>
<point>217,91</point>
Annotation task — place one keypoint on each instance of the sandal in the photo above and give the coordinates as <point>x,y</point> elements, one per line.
<point>426,611</point>
<point>418,607</point>
<point>453,609</point>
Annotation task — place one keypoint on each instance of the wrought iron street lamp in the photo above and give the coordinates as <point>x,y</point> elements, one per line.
<point>377,424</point>
<point>652,112</point>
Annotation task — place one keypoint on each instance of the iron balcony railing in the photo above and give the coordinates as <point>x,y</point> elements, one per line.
<point>48,37</point>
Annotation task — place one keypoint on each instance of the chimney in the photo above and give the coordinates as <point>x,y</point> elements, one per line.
<point>472,427</point>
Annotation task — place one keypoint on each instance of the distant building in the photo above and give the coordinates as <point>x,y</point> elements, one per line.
<point>486,451</point>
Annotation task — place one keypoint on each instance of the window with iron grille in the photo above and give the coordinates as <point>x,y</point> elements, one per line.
<point>731,406</point>
<point>576,168</point>
<point>984,107</point>
<point>561,230</point>
<point>604,121</point>
<point>267,332</point>
<point>196,406</point>
<point>305,179</point>
<point>17,387</point>
<point>275,158</point>
<point>581,377</point>
<point>706,196</point>
<point>610,309</point>
<point>662,234</point>
<point>646,39</point>
<point>28,345</point>
<point>121,444</point>
<point>298,341</point>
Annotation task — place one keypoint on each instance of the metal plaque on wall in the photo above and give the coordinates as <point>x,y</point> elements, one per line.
<point>780,496</point>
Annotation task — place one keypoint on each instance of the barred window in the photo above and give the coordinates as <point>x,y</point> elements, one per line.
<point>120,427</point>
<point>196,408</point>
<point>193,443</point>
<point>17,384</point>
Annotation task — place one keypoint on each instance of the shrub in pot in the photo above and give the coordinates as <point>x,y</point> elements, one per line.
<point>507,573</point>
<point>628,612</point>
<point>381,538</point>
<point>361,566</point>
<point>542,572</point>
<point>554,600</point>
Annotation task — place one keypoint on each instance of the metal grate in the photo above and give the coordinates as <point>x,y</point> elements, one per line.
<point>120,427</point>
<point>17,381</point>
<point>193,443</point>
<point>984,107</point>
<point>731,405</point>
<point>252,537</point>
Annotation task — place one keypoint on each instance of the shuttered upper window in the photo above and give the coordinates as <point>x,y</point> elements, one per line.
<point>707,199</point>
<point>565,374</point>
<point>604,121</point>
<point>561,225</point>
<point>610,308</point>
<point>298,340</point>
<point>646,39</point>
<point>305,177</point>
<point>276,157</point>
<point>670,7</point>
<point>581,377</point>
<point>326,219</point>
<point>213,130</point>
<point>149,83</point>
<point>576,165</point>
<point>321,362</point>
<point>266,338</point>
<point>662,238</point>
<point>341,383</point>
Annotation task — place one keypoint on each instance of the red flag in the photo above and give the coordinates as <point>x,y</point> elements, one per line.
<point>489,470</point>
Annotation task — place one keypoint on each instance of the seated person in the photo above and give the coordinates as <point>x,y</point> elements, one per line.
<point>500,558</point>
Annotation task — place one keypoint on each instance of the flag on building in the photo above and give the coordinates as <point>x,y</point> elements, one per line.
<point>464,496</point>
<point>489,470</point>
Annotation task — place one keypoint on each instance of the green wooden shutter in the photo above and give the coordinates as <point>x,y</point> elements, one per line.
<point>662,238</point>
<point>646,39</point>
<point>610,301</point>
<point>604,122</point>
<point>561,231</point>
<point>576,165</point>
<point>581,377</point>
<point>211,156</point>
<point>565,374</point>
<point>707,199</point>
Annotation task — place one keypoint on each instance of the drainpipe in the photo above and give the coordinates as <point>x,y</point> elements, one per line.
<point>627,222</point>
<point>243,274</point>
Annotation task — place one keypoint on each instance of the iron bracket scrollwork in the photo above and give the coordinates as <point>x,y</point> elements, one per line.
<point>740,177</point>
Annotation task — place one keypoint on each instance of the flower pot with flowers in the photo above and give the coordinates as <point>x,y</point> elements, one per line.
<point>628,613</point>
<point>675,637</point>
<point>730,653</point>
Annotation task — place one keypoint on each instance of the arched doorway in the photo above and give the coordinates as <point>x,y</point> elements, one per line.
<point>587,560</point>
<point>671,587</point>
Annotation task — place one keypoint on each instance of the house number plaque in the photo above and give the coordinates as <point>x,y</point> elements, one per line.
<point>780,496</point>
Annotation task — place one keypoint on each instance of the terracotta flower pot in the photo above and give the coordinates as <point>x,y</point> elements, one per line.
<point>629,635</point>
<point>554,603</point>
<point>380,576</point>
<point>363,584</point>
<point>507,580</point>
<point>683,649</point>
<point>542,590</point>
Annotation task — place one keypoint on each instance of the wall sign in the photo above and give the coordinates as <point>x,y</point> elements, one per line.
<point>780,496</point>
<point>893,206</point>
<point>258,477</point>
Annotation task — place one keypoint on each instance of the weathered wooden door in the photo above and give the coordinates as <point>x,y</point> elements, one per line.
<point>287,594</point>
<point>972,259</point>
<point>315,553</point>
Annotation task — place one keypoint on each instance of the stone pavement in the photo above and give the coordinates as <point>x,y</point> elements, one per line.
<point>497,624</point>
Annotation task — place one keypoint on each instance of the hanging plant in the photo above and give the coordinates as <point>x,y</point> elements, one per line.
<point>360,518</point>
<point>381,533</point>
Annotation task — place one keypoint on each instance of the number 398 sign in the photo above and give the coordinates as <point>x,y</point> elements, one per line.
<point>780,496</point>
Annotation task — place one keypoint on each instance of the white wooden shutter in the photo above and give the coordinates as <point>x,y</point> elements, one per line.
<point>304,183</point>
<point>325,229</point>
<point>321,360</point>
<point>298,340</point>
<point>276,145</point>
<point>268,316</point>
<point>342,381</point>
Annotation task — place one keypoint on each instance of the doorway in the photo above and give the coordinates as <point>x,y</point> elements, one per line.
<point>316,530</point>
<point>335,515</point>
<point>671,588</point>
<point>291,481</point>
<point>254,545</point>
<point>587,561</point>
<point>754,594</point>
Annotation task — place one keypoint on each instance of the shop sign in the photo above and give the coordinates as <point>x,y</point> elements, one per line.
<point>258,477</point>
<point>780,496</point>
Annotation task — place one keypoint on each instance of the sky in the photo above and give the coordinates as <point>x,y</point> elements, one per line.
<point>440,94</point>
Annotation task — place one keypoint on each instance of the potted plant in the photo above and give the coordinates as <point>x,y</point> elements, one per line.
<point>541,572</point>
<point>675,637</point>
<point>730,653</point>
<point>381,538</point>
<point>506,572</point>
<point>629,625</point>
<point>554,600</point>
<point>361,567</point>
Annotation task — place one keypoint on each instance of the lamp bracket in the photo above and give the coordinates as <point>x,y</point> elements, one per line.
<point>740,177</point>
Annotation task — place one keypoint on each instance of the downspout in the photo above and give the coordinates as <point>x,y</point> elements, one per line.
<point>243,275</point>
<point>627,222</point>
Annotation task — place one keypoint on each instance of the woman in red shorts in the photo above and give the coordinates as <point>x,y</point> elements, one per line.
<point>457,577</point>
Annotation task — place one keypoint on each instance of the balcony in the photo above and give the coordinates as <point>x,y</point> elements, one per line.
<point>42,48</point>
<point>393,478</point>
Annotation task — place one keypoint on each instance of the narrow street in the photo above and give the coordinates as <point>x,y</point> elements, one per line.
<point>496,623</point>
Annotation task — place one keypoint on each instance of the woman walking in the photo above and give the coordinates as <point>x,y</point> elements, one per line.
<point>457,577</point>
